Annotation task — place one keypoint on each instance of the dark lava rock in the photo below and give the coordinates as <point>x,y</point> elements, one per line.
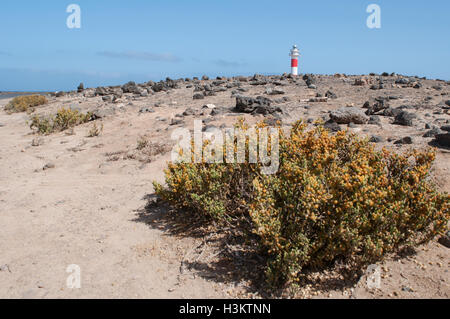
<point>219,110</point>
<point>309,79</point>
<point>391,112</point>
<point>100,91</point>
<point>376,139</point>
<point>189,111</point>
<point>247,104</point>
<point>432,133</point>
<point>330,95</point>
<point>107,98</point>
<point>376,107</point>
<point>443,139</point>
<point>131,87</point>
<point>198,96</point>
<point>374,119</point>
<point>402,81</point>
<point>146,110</point>
<point>445,240</point>
<point>404,118</point>
<point>332,126</point>
<point>158,87</point>
<point>406,140</point>
<point>176,121</point>
<point>80,88</point>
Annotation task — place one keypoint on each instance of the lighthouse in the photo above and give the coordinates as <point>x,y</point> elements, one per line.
<point>295,53</point>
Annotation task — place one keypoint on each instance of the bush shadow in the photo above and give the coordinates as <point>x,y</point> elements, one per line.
<point>231,258</point>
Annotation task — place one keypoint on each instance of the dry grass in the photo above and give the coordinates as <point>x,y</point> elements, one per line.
<point>25,103</point>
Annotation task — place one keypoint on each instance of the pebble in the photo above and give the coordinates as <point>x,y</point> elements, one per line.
<point>48,166</point>
<point>5,267</point>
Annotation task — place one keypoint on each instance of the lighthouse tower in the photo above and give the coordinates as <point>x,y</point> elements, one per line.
<point>295,53</point>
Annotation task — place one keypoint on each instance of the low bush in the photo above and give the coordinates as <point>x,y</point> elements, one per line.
<point>334,198</point>
<point>62,120</point>
<point>25,103</point>
<point>95,131</point>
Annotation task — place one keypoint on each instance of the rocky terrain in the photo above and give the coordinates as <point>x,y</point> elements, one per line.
<point>67,198</point>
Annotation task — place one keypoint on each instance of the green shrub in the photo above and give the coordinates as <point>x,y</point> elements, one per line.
<point>25,103</point>
<point>333,198</point>
<point>62,120</point>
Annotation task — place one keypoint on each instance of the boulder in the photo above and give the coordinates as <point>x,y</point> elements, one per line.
<point>331,95</point>
<point>259,105</point>
<point>198,96</point>
<point>131,87</point>
<point>443,139</point>
<point>100,113</point>
<point>405,140</point>
<point>347,115</point>
<point>332,126</point>
<point>272,91</point>
<point>433,132</point>
<point>100,91</point>
<point>404,118</point>
<point>247,104</point>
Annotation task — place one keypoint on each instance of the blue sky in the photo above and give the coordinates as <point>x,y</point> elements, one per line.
<point>145,40</point>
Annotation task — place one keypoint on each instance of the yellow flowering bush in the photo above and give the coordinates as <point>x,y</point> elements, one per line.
<point>220,192</point>
<point>25,103</point>
<point>62,120</point>
<point>333,198</point>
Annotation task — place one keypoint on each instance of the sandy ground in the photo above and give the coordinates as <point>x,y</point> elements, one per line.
<point>89,207</point>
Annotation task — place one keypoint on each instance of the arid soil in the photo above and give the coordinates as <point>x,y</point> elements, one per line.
<point>67,198</point>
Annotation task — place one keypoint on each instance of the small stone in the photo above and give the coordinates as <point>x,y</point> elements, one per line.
<point>198,96</point>
<point>407,289</point>
<point>5,268</point>
<point>332,126</point>
<point>376,139</point>
<point>37,141</point>
<point>48,166</point>
<point>405,140</point>
<point>146,110</point>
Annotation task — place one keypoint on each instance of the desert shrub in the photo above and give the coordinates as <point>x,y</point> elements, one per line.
<point>142,143</point>
<point>95,130</point>
<point>25,103</point>
<point>62,120</point>
<point>337,198</point>
<point>218,192</point>
<point>334,197</point>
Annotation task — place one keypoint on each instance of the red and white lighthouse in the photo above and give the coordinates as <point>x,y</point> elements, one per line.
<point>295,53</point>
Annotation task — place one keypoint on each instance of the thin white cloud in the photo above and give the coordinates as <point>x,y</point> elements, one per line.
<point>229,64</point>
<point>134,55</point>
